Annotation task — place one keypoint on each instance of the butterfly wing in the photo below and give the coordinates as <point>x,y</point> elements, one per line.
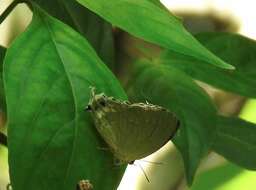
<point>134,131</point>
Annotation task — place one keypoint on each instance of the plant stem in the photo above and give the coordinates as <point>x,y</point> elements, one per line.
<point>3,139</point>
<point>9,9</point>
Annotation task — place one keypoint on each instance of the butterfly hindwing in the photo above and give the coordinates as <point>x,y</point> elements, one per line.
<point>140,130</point>
<point>132,131</point>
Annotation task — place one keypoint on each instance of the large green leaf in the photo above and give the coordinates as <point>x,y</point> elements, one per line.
<point>159,4</point>
<point>145,19</point>
<point>174,90</point>
<point>97,31</point>
<point>2,54</point>
<point>2,95</point>
<point>52,142</point>
<point>233,48</point>
<point>236,141</point>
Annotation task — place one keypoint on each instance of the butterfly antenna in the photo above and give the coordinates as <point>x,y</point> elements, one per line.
<point>150,162</point>
<point>142,171</point>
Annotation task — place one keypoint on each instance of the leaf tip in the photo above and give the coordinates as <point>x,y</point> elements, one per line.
<point>228,66</point>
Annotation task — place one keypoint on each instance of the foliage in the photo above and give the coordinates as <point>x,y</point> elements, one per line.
<point>233,48</point>
<point>49,69</point>
<point>238,137</point>
<point>197,130</point>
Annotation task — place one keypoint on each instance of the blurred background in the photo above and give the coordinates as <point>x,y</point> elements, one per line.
<point>166,170</point>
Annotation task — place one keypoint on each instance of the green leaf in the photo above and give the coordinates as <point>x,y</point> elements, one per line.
<point>176,91</point>
<point>2,95</point>
<point>233,48</point>
<point>97,31</point>
<point>52,143</point>
<point>164,8</point>
<point>230,174</point>
<point>2,54</point>
<point>158,3</point>
<point>236,141</point>
<point>146,20</point>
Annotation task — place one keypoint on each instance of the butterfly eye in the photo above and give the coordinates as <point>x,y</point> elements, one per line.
<point>88,108</point>
<point>103,103</point>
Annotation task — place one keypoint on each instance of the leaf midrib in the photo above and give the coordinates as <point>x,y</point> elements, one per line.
<point>244,143</point>
<point>48,25</point>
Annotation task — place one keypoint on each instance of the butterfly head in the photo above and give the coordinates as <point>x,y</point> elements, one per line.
<point>97,101</point>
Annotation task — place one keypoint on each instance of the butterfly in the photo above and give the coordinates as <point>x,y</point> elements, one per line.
<point>131,130</point>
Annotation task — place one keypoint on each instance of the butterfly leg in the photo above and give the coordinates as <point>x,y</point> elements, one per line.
<point>103,148</point>
<point>117,162</point>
